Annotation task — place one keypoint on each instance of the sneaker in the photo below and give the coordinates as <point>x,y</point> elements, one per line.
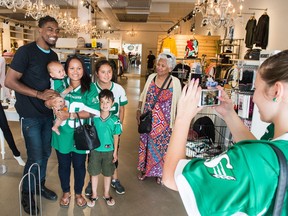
<point>117,186</point>
<point>88,189</point>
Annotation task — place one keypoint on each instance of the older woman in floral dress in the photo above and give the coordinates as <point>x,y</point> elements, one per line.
<point>153,145</point>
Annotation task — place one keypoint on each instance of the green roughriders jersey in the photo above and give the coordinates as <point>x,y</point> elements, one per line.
<point>120,98</point>
<point>106,129</point>
<point>75,101</point>
<point>240,181</point>
<point>58,85</point>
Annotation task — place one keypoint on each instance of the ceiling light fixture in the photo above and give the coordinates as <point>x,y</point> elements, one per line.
<point>218,13</point>
<point>15,4</point>
<point>132,33</point>
<point>53,10</point>
<point>36,10</point>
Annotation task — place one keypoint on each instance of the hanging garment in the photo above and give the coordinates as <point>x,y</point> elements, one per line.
<point>191,49</point>
<point>231,34</point>
<point>181,71</point>
<point>250,31</point>
<point>196,68</point>
<point>262,32</point>
<point>170,44</point>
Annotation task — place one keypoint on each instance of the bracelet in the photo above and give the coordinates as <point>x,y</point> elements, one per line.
<point>71,116</point>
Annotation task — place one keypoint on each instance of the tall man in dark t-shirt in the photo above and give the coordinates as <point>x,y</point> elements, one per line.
<point>150,63</point>
<point>29,77</point>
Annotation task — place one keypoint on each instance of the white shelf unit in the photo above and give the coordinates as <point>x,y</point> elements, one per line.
<point>16,36</point>
<point>66,46</point>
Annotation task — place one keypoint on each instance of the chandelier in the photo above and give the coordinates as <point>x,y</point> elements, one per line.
<point>69,24</point>
<point>14,4</point>
<point>131,33</point>
<point>218,13</point>
<point>53,10</point>
<point>36,10</point>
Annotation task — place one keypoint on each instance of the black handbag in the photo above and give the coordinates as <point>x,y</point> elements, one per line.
<point>252,54</point>
<point>85,135</point>
<point>145,125</point>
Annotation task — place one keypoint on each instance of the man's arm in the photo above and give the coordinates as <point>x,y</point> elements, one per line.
<point>13,82</point>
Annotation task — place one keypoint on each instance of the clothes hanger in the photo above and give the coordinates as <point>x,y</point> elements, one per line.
<point>193,37</point>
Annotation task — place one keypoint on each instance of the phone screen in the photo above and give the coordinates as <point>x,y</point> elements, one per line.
<point>209,97</point>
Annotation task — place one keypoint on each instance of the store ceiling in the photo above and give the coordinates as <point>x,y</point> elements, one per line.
<point>145,14</point>
<point>124,14</point>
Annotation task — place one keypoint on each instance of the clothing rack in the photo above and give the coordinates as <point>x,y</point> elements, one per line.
<point>253,14</point>
<point>264,9</point>
<point>189,59</point>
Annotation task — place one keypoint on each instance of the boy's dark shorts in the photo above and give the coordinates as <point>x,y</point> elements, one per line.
<point>101,162</point>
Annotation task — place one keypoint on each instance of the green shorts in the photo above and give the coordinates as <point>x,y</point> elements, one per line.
<point>101,162</point>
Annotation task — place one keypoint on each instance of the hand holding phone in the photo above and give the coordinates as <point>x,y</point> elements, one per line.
<point>209,97</point>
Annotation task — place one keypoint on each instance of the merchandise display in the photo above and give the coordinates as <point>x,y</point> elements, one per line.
<point>191,49</point>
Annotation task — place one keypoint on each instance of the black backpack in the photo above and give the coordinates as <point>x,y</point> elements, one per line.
<point>205,128</point>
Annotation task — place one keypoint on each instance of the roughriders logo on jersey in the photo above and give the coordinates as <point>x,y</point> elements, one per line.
<point>220,167</point>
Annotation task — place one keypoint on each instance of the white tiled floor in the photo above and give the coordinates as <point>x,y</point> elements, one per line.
<point>141,198</point>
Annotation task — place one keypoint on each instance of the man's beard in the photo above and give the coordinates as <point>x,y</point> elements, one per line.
<point>48,43</point>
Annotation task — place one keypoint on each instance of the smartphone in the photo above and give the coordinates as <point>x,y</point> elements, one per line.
<point>209,97</point>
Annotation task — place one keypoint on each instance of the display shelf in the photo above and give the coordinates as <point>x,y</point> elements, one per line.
<point>28,35</point>
<point>19,36</point>
<point>229,53</point>
<point>84,48</point>
<point>66,46</point>
<point>232,45</point>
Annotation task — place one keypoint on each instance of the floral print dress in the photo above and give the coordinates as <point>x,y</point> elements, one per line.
<point>153,146</point>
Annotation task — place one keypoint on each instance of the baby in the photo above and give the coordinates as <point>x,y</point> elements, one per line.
<point>57,74</point>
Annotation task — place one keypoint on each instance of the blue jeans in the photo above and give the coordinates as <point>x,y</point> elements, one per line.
<point>37,135</point>
<point>64,170</point>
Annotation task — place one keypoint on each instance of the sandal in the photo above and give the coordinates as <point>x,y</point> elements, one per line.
<point>141,176</point>
<point>80,200</point>
<point>65,200</point>
<point>109,201</point>
<point>159,180</point>
<point>92,202</point>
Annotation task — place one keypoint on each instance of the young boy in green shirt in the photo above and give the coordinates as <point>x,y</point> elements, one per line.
<point>103,158</point>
